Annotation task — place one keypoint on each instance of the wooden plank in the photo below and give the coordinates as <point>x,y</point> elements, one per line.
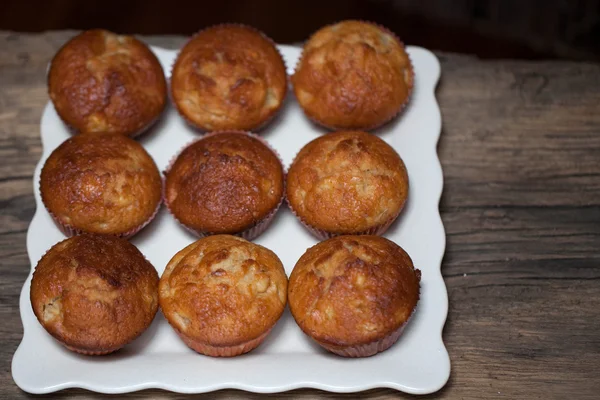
<point>521,207</point>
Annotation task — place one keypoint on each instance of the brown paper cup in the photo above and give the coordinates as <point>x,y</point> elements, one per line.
<point>369,349</point>
<point>221,351</point>
<point>89,353</point>
<point>70,230</point>
<point>322,234</point>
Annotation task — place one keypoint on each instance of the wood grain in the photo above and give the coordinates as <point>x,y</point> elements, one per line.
<point>520,151</point>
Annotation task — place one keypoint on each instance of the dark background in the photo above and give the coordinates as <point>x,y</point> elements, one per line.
<point>489,28</point>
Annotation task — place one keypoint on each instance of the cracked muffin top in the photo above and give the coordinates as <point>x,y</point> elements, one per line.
<point>353,290</point>
<point>101,183</point>
<point>347,182</point>
<point>228,77</point>
<point>353,75</point>
<point>103,82</point>
<point>223,291</point>
<point>224,183</point>
<point>94,293</point>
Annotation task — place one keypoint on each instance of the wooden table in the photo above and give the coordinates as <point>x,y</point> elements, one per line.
<point>520,150</point>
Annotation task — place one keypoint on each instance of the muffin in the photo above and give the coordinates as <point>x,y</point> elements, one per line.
<point>347,183</point>
<point>223,294</point>
<point>101,183</point>
<point>94,293</point>
<point>354,294</point>
<point>228,77</point>
<point>103,82</point>
<point>226,182</point>
<point>353,75</point>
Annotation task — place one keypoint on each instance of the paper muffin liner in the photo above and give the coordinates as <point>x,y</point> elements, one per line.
<point>368,349</point>
<point>255,129</point>
<point>87,352</point>
<point>322,234</point>
<point>402,106</point>
<point>98,352</point>
<point>70,230</point>
<point>221,351</point>
<point>259,226</point>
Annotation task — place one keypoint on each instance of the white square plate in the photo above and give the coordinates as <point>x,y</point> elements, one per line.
<point>287,360</point>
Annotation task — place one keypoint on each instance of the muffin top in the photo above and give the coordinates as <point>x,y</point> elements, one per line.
<point>223,290</point>
<point>224,183</point>
<point>228,77</point>
<point>353,290</point>
<point>347,182</point>
<point>353,75</point>
<point>101,183</point>
<point>103,82</point>
<point>94,293</point>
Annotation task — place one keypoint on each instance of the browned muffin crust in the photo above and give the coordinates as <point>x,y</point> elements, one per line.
<point>353,290</point>
<point>347,182</point>
<point>223,291</point>
<point>353,75</point>
<point>94,293</point>
<point>104,183</point>
<point>103,82</point>
<point>228,77</point>
<point>224,183</point>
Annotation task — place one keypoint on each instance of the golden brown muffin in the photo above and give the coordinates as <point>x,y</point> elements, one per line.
<point>226,182</point>
<point>353,75</point>
<point>354,294</point>
<point>94,293</point>
<point>347,183</point>
<point>102,183</point>
<point>103,82</point>
<point>228,77</point>
<point>223,294</point>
